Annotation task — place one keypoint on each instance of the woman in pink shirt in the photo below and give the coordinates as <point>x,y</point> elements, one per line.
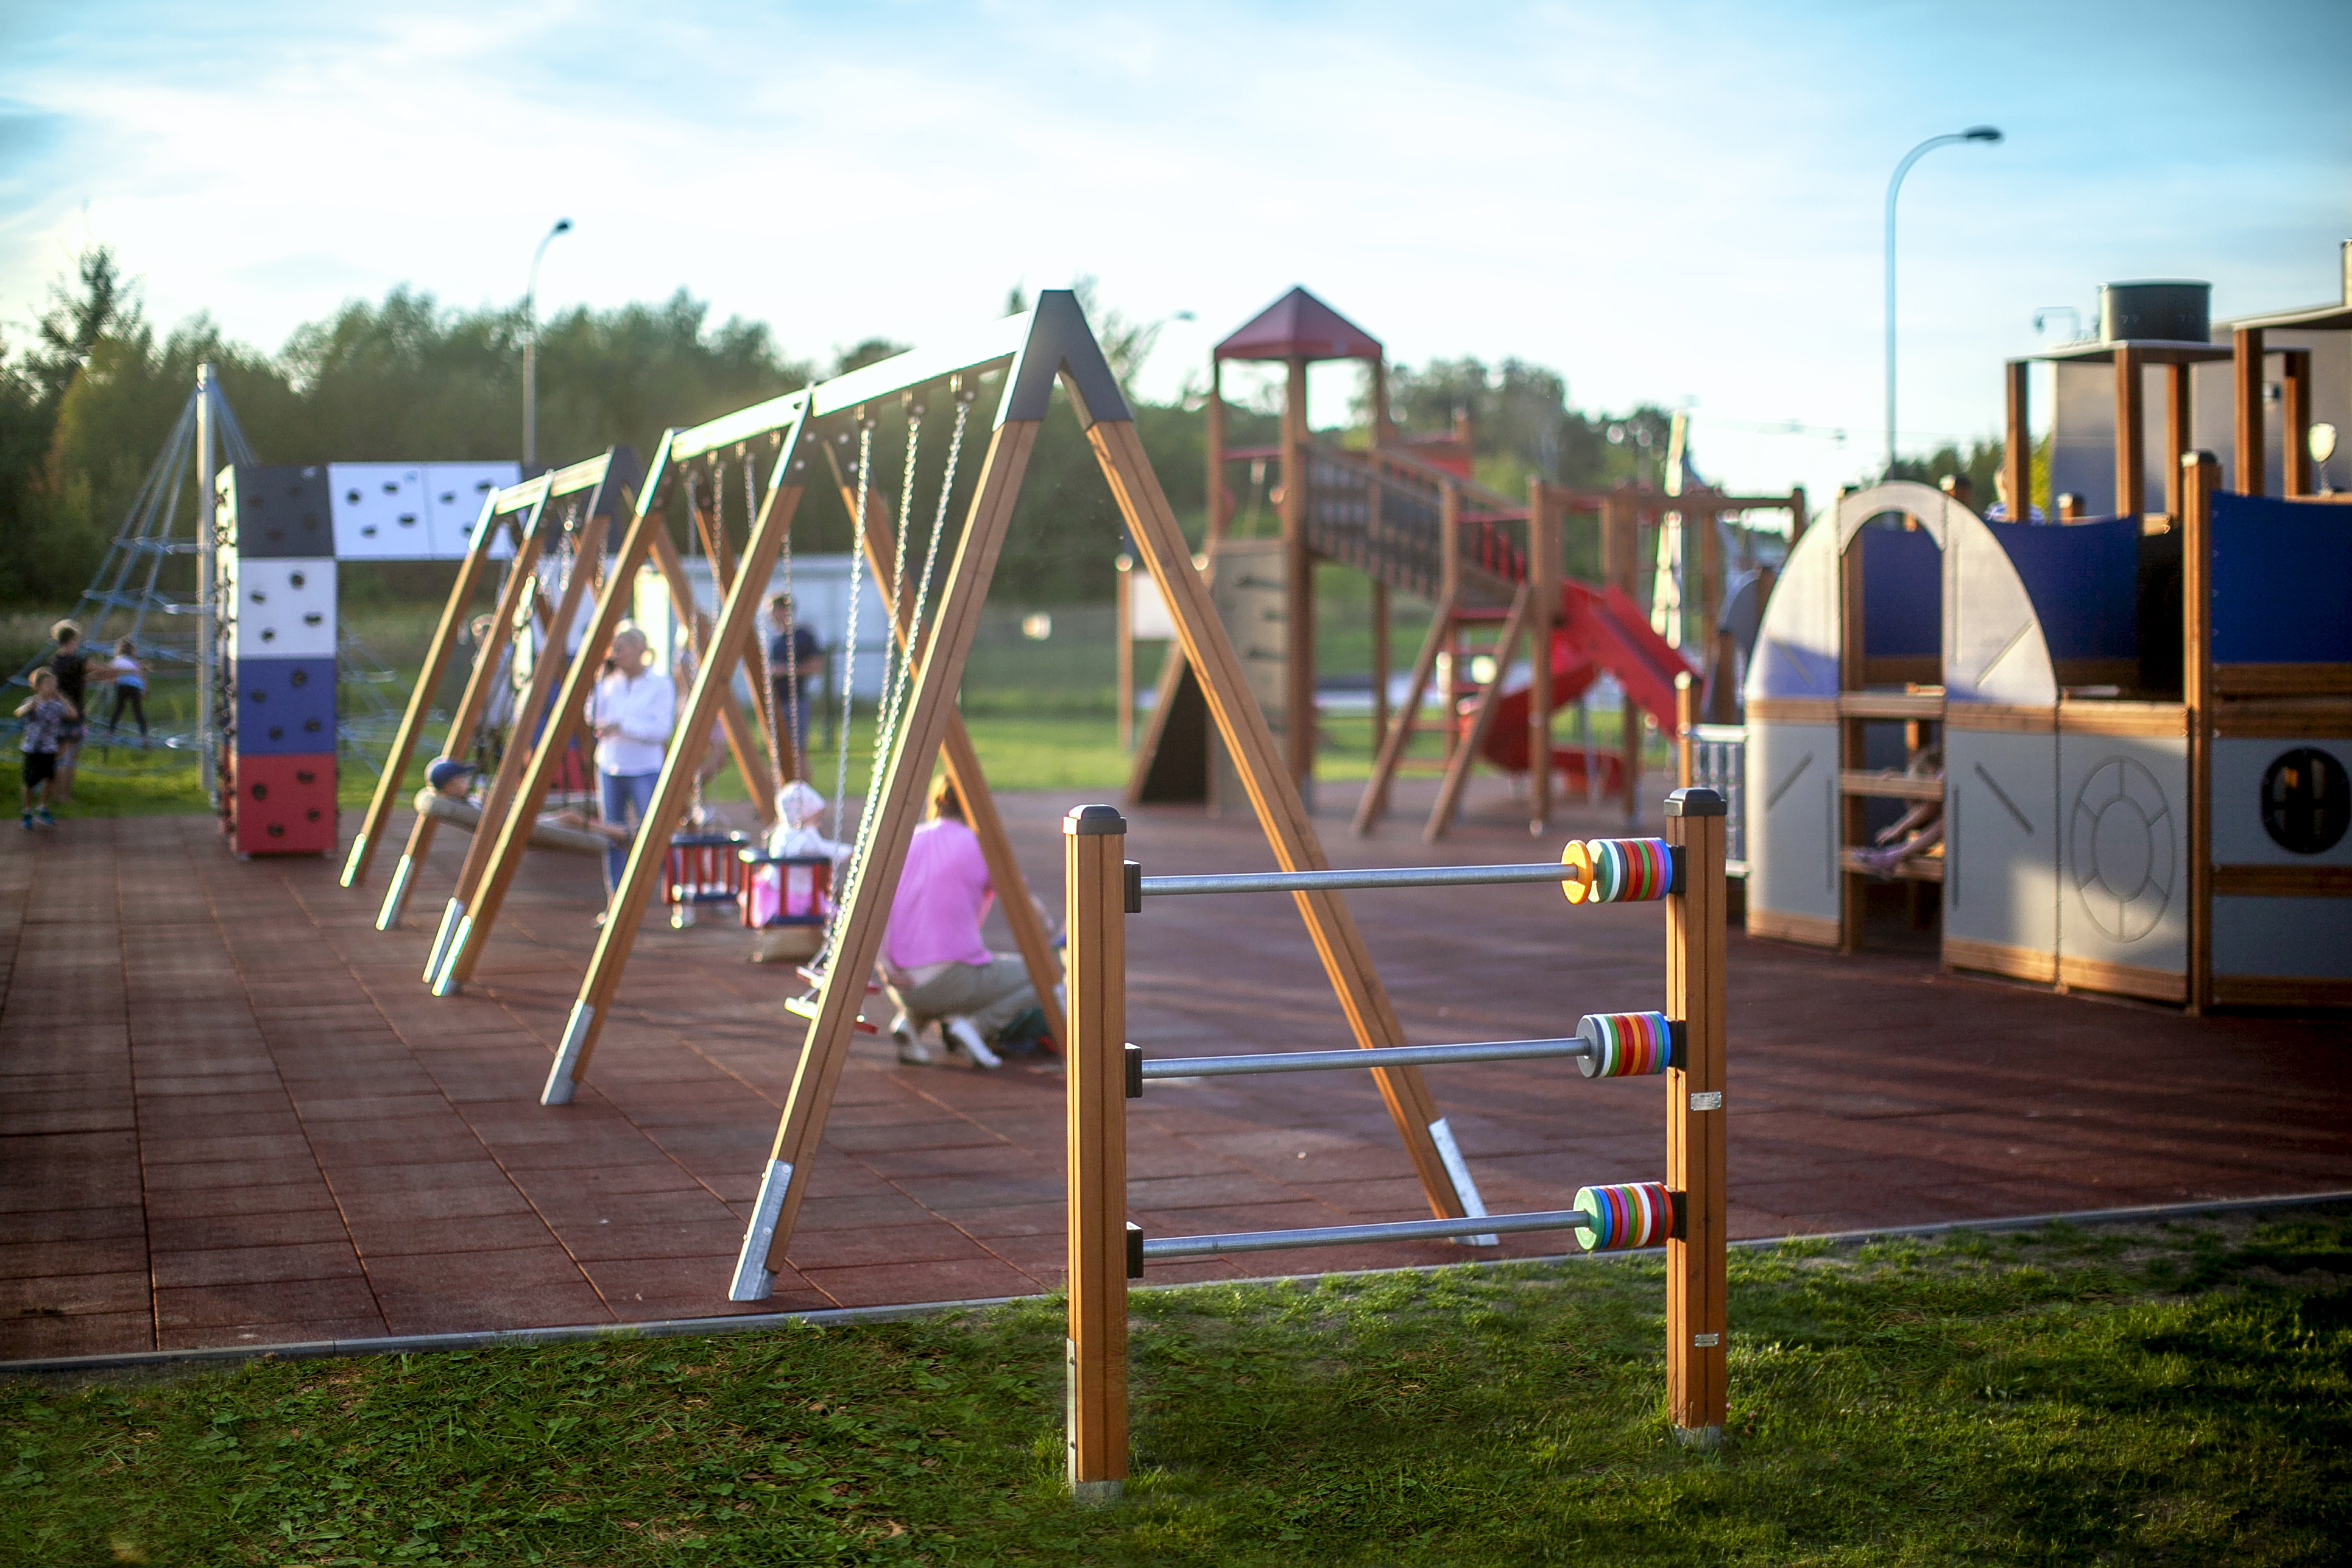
<point>934,962</point>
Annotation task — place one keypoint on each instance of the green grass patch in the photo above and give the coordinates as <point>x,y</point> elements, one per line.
<point>2176,1395</point>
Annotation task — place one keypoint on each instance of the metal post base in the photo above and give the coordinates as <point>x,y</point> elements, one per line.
<point>1095,1494</point>
<point>451,913</point>
<point>352,861</point>
<point>1465,1187</point>
<point>396,895</point>
<point>752,1281</point>
<point>1704,1439</point>
<point>445,979</point>
<point>559,1077</point>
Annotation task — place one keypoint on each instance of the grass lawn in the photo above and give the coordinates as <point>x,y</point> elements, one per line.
<point>2178,1394</point>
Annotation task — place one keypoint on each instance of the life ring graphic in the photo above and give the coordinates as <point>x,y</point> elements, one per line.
<point>2123,857</point>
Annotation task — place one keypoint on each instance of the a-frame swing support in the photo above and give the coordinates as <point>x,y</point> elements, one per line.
<point>530,500</point>
<point>1051,341</point>
<point>645,542</point>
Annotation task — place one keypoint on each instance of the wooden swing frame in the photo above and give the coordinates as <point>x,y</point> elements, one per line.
<point>1050,342</point>
<point>529,499</point>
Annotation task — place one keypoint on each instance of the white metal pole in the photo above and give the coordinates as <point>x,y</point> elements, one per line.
<point>531,349</point>
<point>208,579</point>
<point>1984,133</point>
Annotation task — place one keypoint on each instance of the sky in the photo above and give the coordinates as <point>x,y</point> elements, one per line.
<point>1680,204</point>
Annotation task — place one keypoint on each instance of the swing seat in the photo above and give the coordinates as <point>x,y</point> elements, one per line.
<point>786,890</point>
<point>701,869</point>
<point>465,815</point>
<point>787,943</point>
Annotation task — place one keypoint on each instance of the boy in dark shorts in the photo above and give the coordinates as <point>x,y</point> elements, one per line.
<point>45,714</point>
<point>72,666</point>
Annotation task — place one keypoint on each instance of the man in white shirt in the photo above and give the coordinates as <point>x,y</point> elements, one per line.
<point>631,713</point>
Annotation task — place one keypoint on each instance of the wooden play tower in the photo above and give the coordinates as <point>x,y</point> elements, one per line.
<point>1407,512</point>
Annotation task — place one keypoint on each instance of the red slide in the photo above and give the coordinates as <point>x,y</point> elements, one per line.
<point>1597,631</point>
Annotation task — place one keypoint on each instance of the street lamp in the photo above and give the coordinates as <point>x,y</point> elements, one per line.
<point>531,349</point>
<point>1984,133</point>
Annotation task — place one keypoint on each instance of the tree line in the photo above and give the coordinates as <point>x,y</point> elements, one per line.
<point>89,395</point>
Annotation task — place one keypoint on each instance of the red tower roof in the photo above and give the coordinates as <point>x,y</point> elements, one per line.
<point>1299,326</point>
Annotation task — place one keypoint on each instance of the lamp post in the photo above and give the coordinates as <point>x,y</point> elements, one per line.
<point>531,349</point>
<point>1984,133</point>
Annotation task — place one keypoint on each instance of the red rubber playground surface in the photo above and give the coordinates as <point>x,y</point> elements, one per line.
<point>229,1113</point>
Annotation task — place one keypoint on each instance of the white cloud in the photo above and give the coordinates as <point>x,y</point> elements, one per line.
<point>1662,203</point>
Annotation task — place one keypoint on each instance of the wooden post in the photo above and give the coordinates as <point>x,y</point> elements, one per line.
<point>962,763</point>
<point>1399,737</point>
<point>1298,587</point>
<point>1125,610</point>
<point>2070,507</point>
<point>1095,1095</point>
<point>1482,718</point>
<point>2246,395</point>
<point>513,834</point>
<point>1687,694</point>
<point>1543,609</point>
<point>1221,502</point>
<point>649,852</point>
<point>1289,833</point>
<point>1853,634</point>
<point>470,709</point>
<point>1797,518</point>
<point>2176,435</point>
<point>532,715</point>
<point>2295,412</point>
<point>2017,448</point>
<point>1621,541</point>
<point>1710,596</point>
<point>2200,476</point>
<point>1379,653</point>
<point>2131,435</point>
<point>1695,1395</point>
<point>420,703</point>
<point>742,745</point>
<point>1449,593</point>
<point>857,929</point>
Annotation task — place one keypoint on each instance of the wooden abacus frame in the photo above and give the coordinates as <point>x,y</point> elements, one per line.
<point>1104,1072</point>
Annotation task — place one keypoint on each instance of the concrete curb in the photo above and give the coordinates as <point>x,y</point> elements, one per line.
<point>750,1322</point>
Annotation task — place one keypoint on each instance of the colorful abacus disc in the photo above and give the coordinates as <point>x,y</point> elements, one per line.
<point>1617,870</point>
<point>1625,1044</point>
<point>1627,1215</point>
<point>1579,885</point>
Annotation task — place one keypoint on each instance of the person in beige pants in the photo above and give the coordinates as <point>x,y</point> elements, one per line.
<point>935,964</point>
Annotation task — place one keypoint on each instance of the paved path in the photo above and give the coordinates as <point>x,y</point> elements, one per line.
<point>229,1113</point>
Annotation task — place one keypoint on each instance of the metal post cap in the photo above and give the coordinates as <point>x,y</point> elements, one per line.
<point>1087,819</point>
<point>1694,802</point>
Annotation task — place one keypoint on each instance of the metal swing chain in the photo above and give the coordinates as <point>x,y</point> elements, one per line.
<point>849,632</point>
<point>767,692</point>
<point>938,522</point>
<point>897,665</point>
<point>791,722</point>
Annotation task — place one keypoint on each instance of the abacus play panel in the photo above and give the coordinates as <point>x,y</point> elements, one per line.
<point>1683,1040</point>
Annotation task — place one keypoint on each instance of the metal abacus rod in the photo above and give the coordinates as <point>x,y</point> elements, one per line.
<point>1157,1248</point>
<point>1372,876</point>
<point>1381,1056</point>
